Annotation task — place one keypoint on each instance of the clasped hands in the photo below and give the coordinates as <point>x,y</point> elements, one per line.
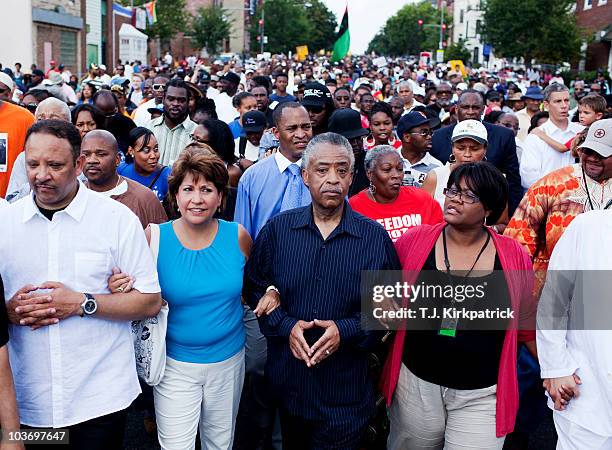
<point>323,348</point>
<point>561,390</point>
<point>38,309</point>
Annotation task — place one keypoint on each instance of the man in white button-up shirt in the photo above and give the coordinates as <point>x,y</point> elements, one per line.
<point>538,158</point>
<point>574,335</point>
<point>71,347</point>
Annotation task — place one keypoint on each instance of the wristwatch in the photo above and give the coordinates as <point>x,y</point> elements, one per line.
<point>89,305</point>
<point>272,288</point>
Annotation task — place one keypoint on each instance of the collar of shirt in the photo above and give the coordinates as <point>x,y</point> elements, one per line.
<point>188,124</point>
<point>550,128</point>
<point>121,188</point>
<point>427,160</point>
<point>75,209</point>
<point>348,223</point>
<point>282,162</point>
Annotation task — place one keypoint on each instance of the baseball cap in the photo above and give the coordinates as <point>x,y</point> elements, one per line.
<point>204,76</point>
<point>156,109</point>
<point>599,138</point>
<point>412,120</point>
<point>231,77</point>
<point>418,90</point>
<point>7,80</point>
<point>534,93</point>
<point>346,122</point>
<point>253,121</point>
<point>315,94</point>
<point>472,129</point>
<point>54,78</point>
<point>38,72</point>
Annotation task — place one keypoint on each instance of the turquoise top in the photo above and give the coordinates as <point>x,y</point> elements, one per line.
<point>203,289</point>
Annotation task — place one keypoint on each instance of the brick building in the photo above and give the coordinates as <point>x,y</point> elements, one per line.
<point>57,33</point>
<point>596,17</point>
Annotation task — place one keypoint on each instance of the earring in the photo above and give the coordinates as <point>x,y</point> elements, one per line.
<point>372,188</point>
<point>452,159</point>
<point>484,158</point>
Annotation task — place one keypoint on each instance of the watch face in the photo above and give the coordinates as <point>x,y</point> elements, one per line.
<point>89,307</point>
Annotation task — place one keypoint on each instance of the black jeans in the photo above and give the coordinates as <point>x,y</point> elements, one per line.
<point>101,433</point>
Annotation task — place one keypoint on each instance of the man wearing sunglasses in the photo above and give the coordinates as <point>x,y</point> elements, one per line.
<point>415,131</point>
<point>14,123</point>
<point>141,115</point>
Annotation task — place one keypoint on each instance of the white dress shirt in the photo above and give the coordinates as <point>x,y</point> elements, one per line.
<point>223,105</point>
<point>141,114</point>
<point>80,368</point>
<point>584,248</point>
<point>539,158</point>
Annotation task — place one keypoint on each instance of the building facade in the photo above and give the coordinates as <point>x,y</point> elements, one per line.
<point>467,22</point>
<point>596,17</point>
<point>16,34</point>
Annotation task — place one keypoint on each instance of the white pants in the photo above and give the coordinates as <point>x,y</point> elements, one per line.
<point>208,394</point>
<point>424,415</point>
<point>574,437</point>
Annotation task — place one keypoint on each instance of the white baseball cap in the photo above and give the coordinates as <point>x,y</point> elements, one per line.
<point>599,138</point>
<point>7,80</point>
<point>471,129</point>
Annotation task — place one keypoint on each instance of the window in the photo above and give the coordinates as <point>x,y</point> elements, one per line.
<point>461,16</point>
<point>588,4</point>
<point>478,26</point>
<point>602,2</point>
<point>68,48</point>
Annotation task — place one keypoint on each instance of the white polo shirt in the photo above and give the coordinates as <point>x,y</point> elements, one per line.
<point>539,159</point>
<point>81,368</point>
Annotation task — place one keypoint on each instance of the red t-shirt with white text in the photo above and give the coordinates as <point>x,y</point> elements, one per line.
<point>413,207</point>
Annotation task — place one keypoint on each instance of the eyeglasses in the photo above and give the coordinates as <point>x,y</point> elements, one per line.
<point>158,87</point>
<point>422,133</point>
<point>197,139</point>
<point>465,197</point>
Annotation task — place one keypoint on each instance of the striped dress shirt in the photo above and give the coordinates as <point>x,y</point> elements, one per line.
<point>319,279</point>
<point>171,141</point>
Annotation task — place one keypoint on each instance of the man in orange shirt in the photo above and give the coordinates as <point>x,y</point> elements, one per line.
<point>14,123</point>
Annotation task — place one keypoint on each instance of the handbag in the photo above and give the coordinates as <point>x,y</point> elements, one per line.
<point>150,334</point>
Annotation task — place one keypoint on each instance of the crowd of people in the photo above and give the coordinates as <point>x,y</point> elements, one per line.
<point>266,189</point>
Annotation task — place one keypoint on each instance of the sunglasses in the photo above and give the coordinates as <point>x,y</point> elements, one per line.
<point>158,87</point>
<point>315,109</point>
<point>3,90</point>
<point>30,106</point>
<point>423,133</point>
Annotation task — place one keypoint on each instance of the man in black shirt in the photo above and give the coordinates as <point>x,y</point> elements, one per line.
<point>9,417</point>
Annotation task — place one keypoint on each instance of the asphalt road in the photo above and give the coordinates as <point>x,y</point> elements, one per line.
<point>136,438</point>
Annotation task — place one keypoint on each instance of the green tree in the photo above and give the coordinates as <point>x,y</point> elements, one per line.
<point>211,27</point>
<point>457,50</point>
<point>402,35</point>
<point>534,29</point>
<point>323,24</point>
<point>172,17</point>
<point>286,26</point>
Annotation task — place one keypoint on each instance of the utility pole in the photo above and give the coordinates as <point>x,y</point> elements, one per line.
<point>442,4</point>
<point>263,24</point>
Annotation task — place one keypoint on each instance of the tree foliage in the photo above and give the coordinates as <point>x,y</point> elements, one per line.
<point>172,17</point>
<point>457,50</point>
<point>210,28</point>
<point>401,34</point>
<point>534,29</point>
<point>289,23</point>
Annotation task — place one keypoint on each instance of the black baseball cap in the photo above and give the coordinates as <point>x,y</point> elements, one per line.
<point>38,72</point>
<point>204,76</point>
<point>346,122</point>
<point>316,94</point>
<point>253,122</point>
<point>412,120</point>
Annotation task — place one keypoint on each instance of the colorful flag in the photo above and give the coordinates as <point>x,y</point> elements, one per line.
<point>151,12</point>
<point>343,41</point>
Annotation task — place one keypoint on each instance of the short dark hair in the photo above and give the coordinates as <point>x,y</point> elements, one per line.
<point>486,182</point>
<point>536,118</point>
<point>61,130</point>
<point>237,99</point>
<point>594,101</point>
<point>471,91</point>
<point>198,162</point>
<point>277,115</point>
<point>178,83</point>
<point>96,114</point>
<point>220,139</point>
<point>261,80</point>
<point>282,74</point>
<point>382,107</point>
<point>105,93</point>
<point>365,87</point>
<point>206,105</point>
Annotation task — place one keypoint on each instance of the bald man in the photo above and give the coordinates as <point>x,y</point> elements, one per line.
<point>49,108</point>
<point>101,154</point>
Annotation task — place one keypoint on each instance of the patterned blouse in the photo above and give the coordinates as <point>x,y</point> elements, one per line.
<point>548,208</point>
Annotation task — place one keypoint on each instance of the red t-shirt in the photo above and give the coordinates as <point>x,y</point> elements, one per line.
<point>412,207</point>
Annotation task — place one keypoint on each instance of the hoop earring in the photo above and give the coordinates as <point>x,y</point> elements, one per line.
<point>452,159</point>
<point>372,188</point>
